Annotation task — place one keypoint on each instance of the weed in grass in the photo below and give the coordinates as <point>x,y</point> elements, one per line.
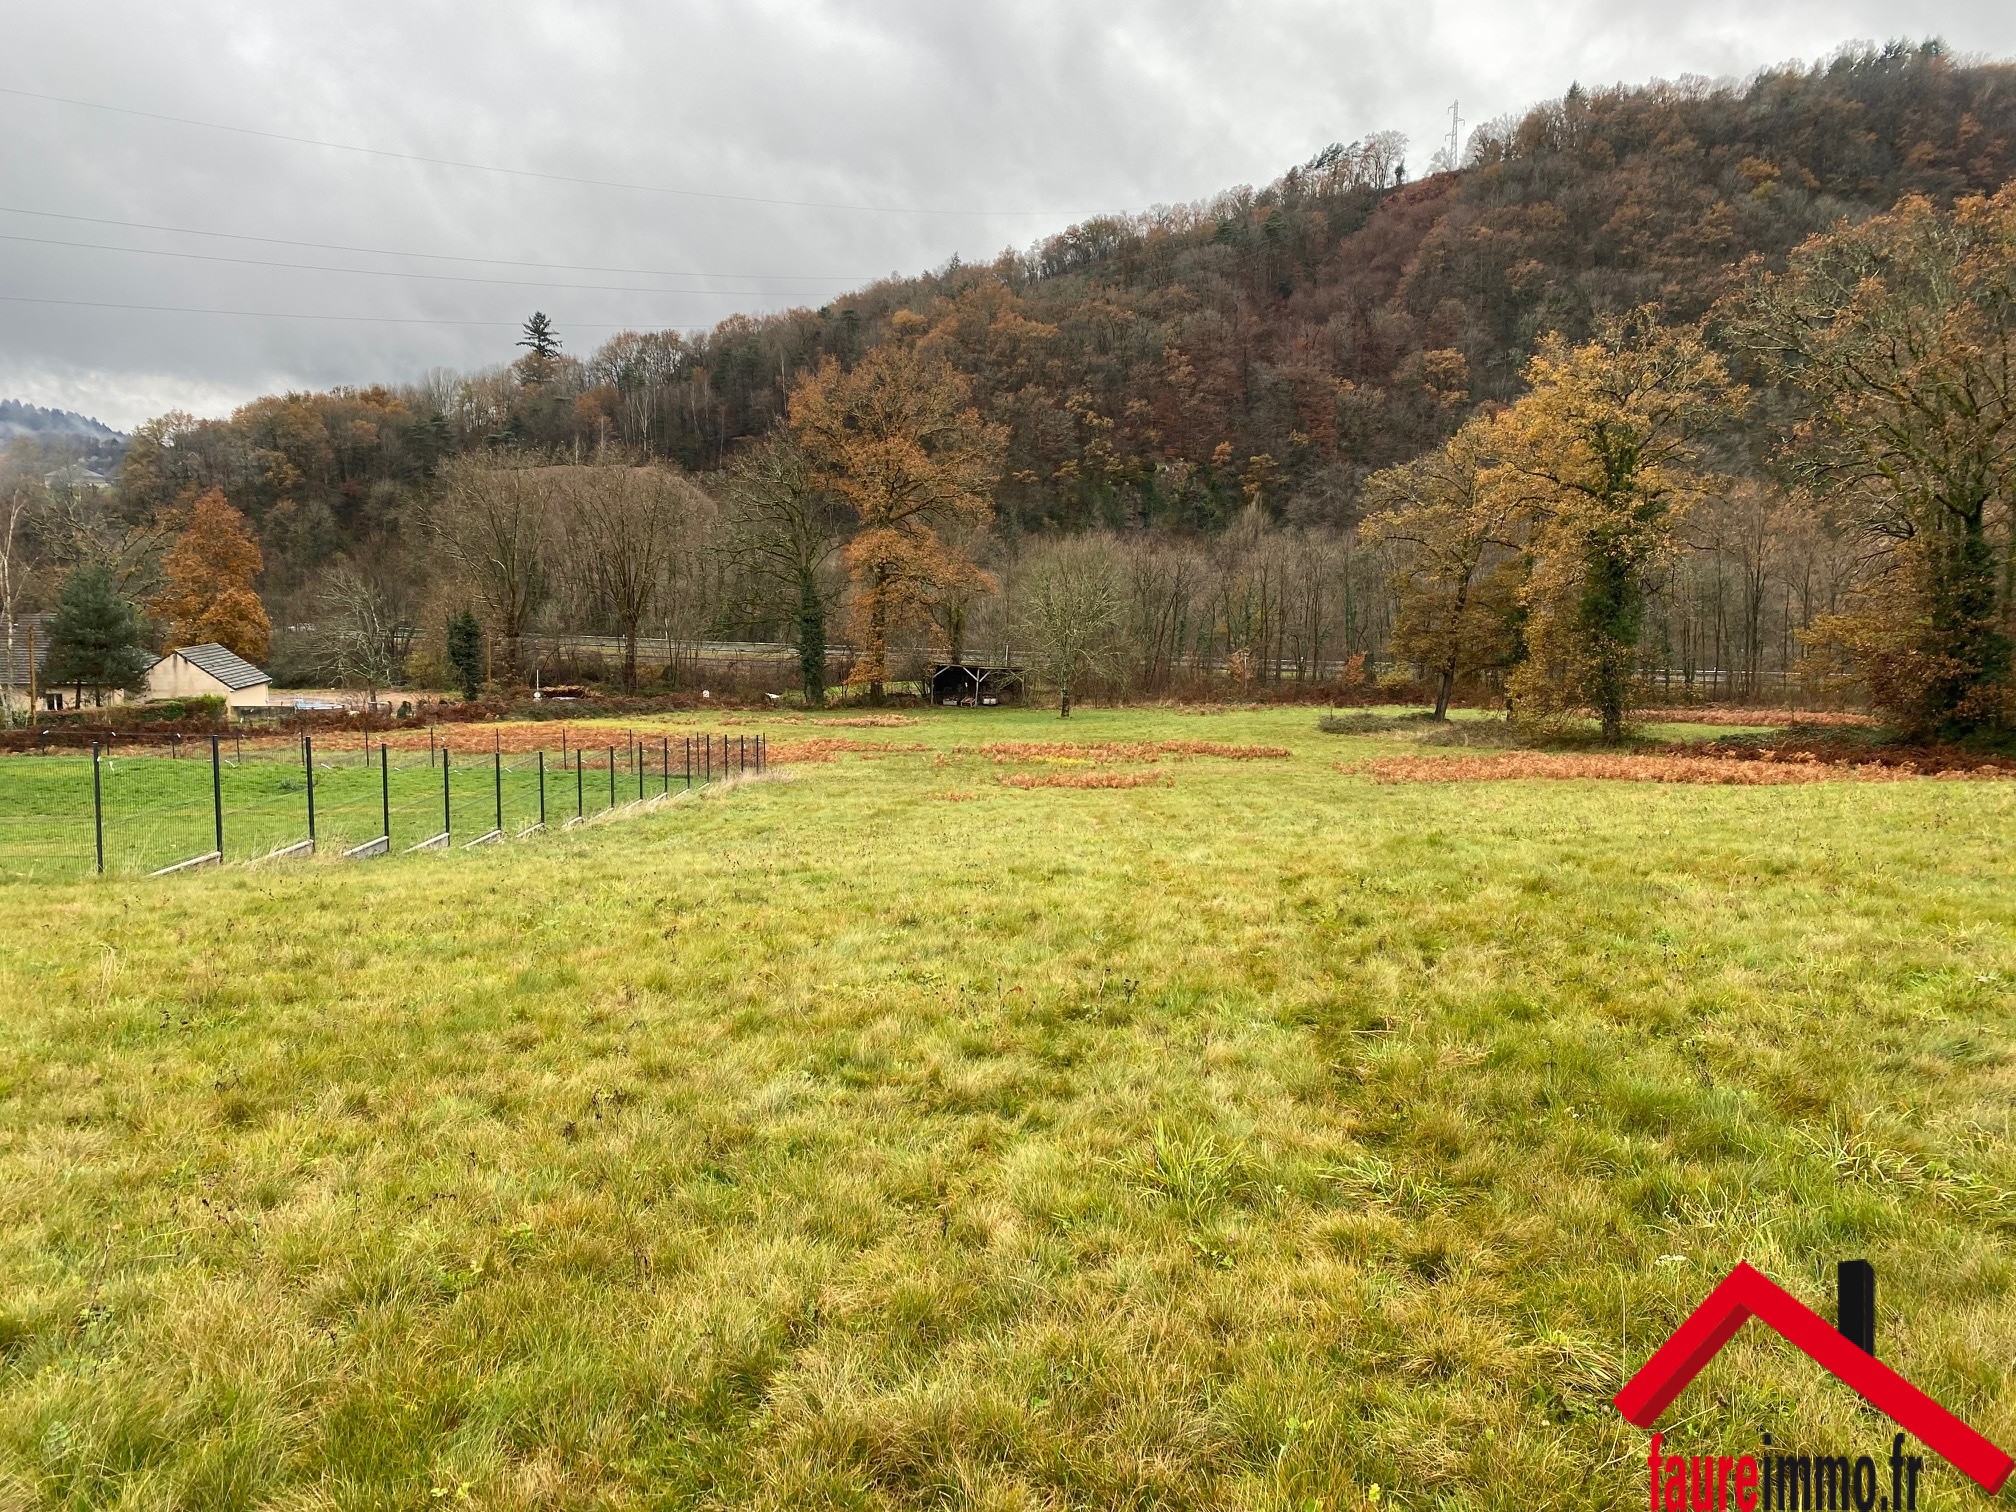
<point>1370,722</point>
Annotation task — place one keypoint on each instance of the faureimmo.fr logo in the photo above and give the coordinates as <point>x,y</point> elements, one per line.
<point>1771,1481</point>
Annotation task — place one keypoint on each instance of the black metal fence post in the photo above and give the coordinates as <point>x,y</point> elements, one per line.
<point>447,811</point>
<point>385,794</point>
<point>542,789</point>
<point>98,806</point>
<point>580,801</point>
<point>498,782</point>
<point>637,760</point>
<point>612,777</point>
<point>707,769</point>
<point>308,765</point>
<point>689,763</point>
<point>665,762</point>
<point>217,791</point>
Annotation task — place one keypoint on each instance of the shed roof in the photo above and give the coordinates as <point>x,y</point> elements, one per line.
<point>227,667</point>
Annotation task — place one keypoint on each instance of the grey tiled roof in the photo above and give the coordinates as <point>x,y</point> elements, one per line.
<point>227,667</point>
<point>14,670</point>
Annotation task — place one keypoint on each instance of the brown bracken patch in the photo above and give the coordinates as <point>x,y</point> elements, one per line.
<point>1826,719</point>
<point>1084,780</point>
<point>1725,770</point>
<point>1100,752</point>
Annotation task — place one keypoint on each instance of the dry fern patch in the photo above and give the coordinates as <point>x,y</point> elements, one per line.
<point>1515,766</point>
<point>1084,780</point>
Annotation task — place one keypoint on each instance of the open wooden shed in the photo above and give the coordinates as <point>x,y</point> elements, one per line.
<point>962,685</point>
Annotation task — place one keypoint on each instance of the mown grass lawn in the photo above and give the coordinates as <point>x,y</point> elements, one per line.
<point>1245,1141</point>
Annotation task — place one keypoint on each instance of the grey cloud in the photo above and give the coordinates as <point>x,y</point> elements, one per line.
<point>1052,108</point>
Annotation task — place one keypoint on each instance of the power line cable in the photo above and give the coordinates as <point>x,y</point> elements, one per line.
<point>498,262</point>
<point>579,325</point>
<point>260,262</point>
<point>527,173</point>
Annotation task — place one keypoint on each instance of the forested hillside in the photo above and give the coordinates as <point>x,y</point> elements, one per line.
<point>18,419</point>
<point>1269,347</point>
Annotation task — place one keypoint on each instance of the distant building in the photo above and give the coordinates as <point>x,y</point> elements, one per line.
<point>209,671</point>
<point>76,475</point>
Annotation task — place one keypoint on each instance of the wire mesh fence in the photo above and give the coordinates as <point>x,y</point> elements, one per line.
<point>143,811</point>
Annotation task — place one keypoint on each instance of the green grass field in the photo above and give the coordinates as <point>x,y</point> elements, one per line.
<point>887,1136</point>
<point>159,810</point>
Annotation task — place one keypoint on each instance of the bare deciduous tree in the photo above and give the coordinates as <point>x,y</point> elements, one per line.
<point>493,522</point>
<point>625,527</point>
<point>1072,604</point>
<point>359,640</point>
<point>20,501</point>
<point>784,534</point>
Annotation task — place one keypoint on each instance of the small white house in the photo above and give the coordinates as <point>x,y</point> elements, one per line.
<point>209,671</point>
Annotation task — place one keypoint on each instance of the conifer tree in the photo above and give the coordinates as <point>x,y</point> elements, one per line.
<point>95,641</point>
<point>465,652</point>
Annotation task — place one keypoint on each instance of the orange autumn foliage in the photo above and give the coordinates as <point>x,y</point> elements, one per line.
<point>209,594</point>
<point>897,438</point>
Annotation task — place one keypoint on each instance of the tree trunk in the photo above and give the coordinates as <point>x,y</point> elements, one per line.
<point>811,643</point>
<point>1455,647</point>
<point>1064,701</point>
<point>878,639</point>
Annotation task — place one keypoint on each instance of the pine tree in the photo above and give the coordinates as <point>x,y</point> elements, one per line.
<point>540,339</point>
<point>209,595</point>
<point>537,367</point>
<point>465,652</point>
<point>95,641</point>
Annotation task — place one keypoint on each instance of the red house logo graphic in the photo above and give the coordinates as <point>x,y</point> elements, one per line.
<point>1747,1293</point>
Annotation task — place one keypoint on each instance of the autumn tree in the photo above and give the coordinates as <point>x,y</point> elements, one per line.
<point>1458,570</point>
<point>1071,605</point>
<point>783,532</point>
<point>1600,458</point>
<point>896,439</point>
<point>1900,332</point>
<point>208,594</point>
<point>492,520</point>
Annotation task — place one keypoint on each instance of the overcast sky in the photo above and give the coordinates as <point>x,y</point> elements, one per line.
<point>821,144</point>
